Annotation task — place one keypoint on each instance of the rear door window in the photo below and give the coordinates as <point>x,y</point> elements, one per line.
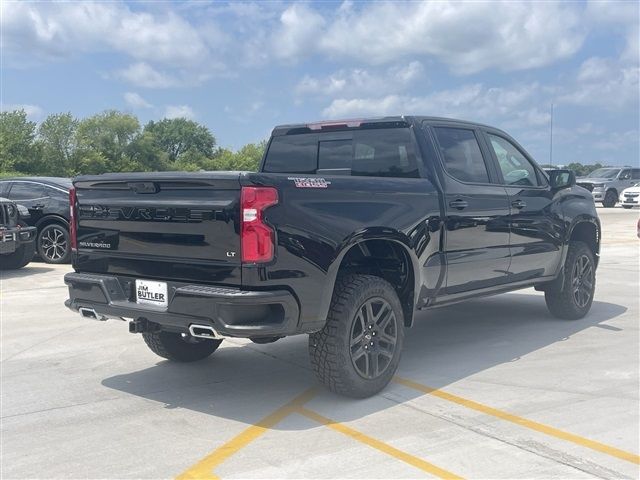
<point>635,174</point>
<point>461,154</point>
<point>380,152</point>
<point>292,154</point>
<point>26,191</point>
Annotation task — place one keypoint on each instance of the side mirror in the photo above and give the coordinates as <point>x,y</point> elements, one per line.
<point>560,179</point>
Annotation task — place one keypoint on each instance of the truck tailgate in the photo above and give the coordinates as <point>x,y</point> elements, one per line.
<point>170,226</point>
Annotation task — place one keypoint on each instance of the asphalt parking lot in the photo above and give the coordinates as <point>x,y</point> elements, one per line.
<point>493,388</point>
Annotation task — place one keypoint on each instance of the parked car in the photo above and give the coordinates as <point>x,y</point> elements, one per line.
<point>606,184</point>
<point>17,240</point>
<point>346,231</point>
<point>47,199</point>
<point>630,196</point>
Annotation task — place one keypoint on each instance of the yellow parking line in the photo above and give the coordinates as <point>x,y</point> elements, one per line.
<point>378,445</point>
<point>204,468</point>
<point>539,427</point>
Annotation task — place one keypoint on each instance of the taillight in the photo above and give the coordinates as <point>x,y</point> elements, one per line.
<point>256,237</point>
<point>73,221</point>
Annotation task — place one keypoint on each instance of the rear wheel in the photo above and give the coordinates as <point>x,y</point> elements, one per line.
<point>358,350</point>
<point>573,298</point>
<point>610,199</point>
<point>180,347</point>
<point>627,206</point>
<point>18,259</point>
<point>53,244</point>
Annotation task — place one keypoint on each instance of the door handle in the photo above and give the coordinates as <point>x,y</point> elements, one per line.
<point>459,204</point>
<point>519,204</point>
<point>38,206</point>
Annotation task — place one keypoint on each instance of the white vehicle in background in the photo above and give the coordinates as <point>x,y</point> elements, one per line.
<point>605,184</point>
<point>630,197</point>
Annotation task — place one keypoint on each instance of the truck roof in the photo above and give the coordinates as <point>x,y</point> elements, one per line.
<point>354,123</point>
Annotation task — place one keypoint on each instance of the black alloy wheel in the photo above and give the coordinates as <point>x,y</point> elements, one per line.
<point>374,335</point>
<point>582,281</point>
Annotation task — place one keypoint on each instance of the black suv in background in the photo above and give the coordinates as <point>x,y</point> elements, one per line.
<point>47,199</point>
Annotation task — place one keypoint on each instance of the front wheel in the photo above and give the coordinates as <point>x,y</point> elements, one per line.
<point>610,199</point>
<point>54,245</point>
<point>627,206</point>
<point>358,350</point>
<point>573,298</point>
<point>180,347</point>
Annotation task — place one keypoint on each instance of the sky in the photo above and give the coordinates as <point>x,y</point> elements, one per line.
<point>241,68</point>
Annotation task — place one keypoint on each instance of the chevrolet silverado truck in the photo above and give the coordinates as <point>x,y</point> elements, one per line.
<point>348,229</point>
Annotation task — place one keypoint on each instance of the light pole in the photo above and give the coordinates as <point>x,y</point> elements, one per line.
<point>551,138</point>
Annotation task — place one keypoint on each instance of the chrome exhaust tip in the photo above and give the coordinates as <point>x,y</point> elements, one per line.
<point>203,331</point>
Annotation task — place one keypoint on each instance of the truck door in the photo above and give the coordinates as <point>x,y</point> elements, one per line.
<point>535,220</point>
<point>476,213</point>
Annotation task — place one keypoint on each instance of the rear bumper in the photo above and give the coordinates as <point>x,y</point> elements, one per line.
<point>230,311</point>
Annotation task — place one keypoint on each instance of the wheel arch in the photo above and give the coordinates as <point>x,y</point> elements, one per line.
<point>587,230</point>
<point>378,253</point>
<point>51,219</point>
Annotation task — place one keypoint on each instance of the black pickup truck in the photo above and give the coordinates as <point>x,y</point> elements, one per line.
<point>348,229</point>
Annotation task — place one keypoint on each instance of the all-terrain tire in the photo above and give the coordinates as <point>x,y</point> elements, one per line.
<point>610,199</point>
<point>331,350</point>
<point>18,259</point>
<point>579,267</point>
<point>175,347</point>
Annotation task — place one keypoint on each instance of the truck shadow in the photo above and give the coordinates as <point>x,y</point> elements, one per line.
<point>245,382</point>
<point>24,271</point>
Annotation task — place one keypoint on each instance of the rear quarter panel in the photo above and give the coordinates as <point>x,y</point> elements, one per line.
<point>316,226</point>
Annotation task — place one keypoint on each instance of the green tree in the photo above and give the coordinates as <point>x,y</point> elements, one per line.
<point>145,152</point>
<point>109,134</point>
<point>247,158</point>
<point>177,136</point>
<point>582,170</point>
<point>17,149</point>
<point>57,136</point>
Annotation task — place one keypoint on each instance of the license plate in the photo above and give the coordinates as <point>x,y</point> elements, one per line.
<point>151,293</point>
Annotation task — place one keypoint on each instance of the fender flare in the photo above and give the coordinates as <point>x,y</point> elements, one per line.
<point>373,233</point>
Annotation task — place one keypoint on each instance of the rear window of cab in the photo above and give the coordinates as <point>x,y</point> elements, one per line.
<point>381,152</point>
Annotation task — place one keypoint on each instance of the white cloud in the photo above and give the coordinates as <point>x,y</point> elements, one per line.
<point>605,83</point>
<point>361,81</point>
<point>135,100</point>
<point>472,101</point>
<point>179,111</point>
<point>297,33</point>
<point>615,141</point>
<point>55,30</point>
<point>34,112</point>
<point>144,75</point>
<point>468,36</point>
